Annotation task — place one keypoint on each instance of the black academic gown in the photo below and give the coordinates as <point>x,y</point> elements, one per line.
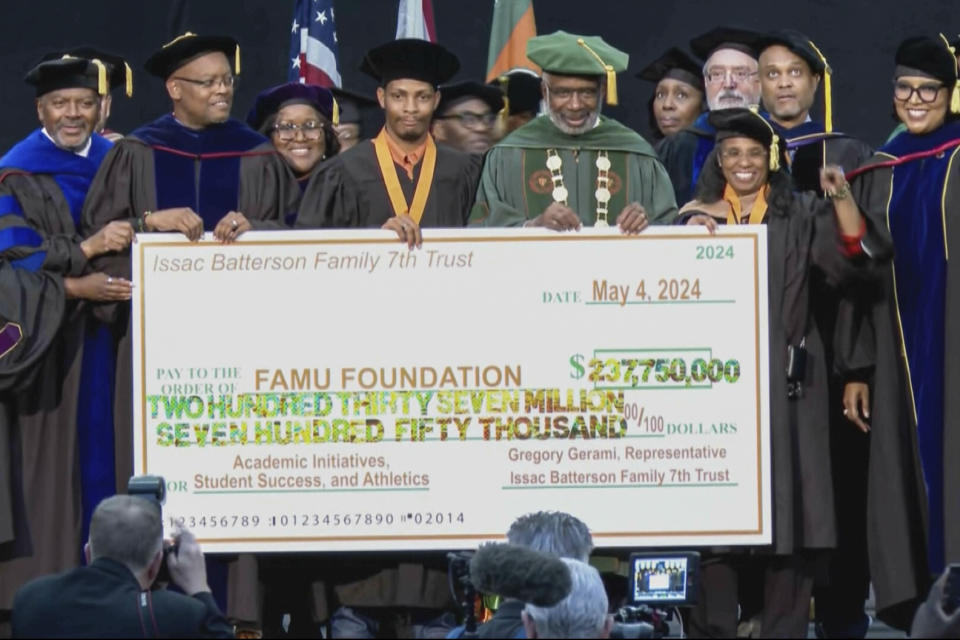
<point>141,174</point>
<point>31,313</point>
<point>801,240</point>
<point>684,153</point>
<point>840,599</point>
<point>46,185</point>
<point>350,192</point>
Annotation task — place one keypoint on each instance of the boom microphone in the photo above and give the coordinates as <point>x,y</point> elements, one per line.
<point>520,573</point>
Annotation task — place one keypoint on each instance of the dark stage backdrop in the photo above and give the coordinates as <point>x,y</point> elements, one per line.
<point>859,38</point>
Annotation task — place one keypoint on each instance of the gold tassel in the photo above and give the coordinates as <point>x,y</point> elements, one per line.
<point>102,87</point>
<point>336,112</point>
<point>129,78</point>
<point>955,95</point>
<point>611,74</point>
<point>775,153</point>
<point>504,81</point>
<point>236,60</point>
<point>827,90</point>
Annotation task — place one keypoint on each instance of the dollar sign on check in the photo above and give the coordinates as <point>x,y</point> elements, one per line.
<point>576,361</point>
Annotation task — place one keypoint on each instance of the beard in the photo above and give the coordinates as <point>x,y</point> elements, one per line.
<point>730,99</point>
<point>558,122</point>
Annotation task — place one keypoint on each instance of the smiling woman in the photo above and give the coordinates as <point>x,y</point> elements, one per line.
<point>299,120</point>
<point>912,387</point>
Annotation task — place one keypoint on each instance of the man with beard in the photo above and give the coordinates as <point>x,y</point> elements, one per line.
<point>792,69</point>
<point>571,166</point>
<point>43,181</point>
<point>466,115</point>
<point>730,77</point>
<point>402,180</point>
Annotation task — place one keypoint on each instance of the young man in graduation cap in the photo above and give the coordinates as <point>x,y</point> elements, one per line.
<point>402,180</point>
<point>44,179</point>
<point>466,116</point>
<point>730,76</point>
<point>571,166</point>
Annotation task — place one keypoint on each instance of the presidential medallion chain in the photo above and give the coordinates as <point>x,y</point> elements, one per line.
<point>602,194</point>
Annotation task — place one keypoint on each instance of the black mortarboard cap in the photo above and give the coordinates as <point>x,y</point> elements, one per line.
<point>930,56</point>
<point>798,44</point>
<point>118,71</point>
<point>351,104</point>
<point>68,73</point>
<point>270,101</point>
<point>704,45</point>
<point>676,64</point>
<point>451,94</point>
<point>521,87</point>
<point>410,58</point>
<point>182,49</point>
<point>733,123</point>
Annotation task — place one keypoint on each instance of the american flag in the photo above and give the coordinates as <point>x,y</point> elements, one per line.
<point>314,55</point>
<point>415,20</point>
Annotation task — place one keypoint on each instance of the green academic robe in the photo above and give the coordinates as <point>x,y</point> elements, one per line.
<point>516,185</point>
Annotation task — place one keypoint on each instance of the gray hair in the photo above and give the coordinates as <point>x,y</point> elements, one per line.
<point>553,532</point>
<point>582,614</point>
<point>126,529</point>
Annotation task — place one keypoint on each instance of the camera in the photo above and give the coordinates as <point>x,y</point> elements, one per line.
<point>154,490</point>
<point>664,579</point>
<point>657,583</point>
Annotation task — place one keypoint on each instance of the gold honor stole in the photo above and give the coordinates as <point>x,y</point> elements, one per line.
<point>389,173</point>
<point>757,212</point>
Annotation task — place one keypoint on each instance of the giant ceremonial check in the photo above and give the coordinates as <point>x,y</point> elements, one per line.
<point>333,390</point>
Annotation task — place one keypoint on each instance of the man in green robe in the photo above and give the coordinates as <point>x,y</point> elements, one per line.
<point>571,166</point>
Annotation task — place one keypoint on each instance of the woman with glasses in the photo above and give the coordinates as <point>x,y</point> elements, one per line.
<point>298,119</point>
<point>912,187</point>
<point>745,181</point>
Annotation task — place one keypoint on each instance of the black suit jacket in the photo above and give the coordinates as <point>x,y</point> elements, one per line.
<point>104,600</point>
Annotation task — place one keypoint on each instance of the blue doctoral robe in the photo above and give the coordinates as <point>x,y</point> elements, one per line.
<point>910,337</point>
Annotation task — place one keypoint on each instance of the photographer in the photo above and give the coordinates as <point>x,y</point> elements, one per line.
<point>111,596</point>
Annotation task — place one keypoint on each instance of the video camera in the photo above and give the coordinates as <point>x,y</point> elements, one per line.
<point>658,582</point>
<point>154,489</point>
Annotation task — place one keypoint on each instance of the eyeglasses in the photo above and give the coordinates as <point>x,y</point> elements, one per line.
<point>719,74</point>
<point>472,120</point>
<point>590,94</point>
<point>311,130</point>
<point>734,155</point>
<point>926,92</point>
<point>209,83</point>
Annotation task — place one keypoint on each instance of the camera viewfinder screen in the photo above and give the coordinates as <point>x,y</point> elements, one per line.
<point>663,579</point>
